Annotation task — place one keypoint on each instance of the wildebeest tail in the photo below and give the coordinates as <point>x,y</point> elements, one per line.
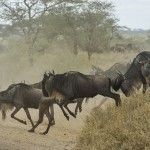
<point>4,108</point>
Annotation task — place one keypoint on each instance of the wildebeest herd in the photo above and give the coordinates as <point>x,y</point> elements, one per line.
<point>73,87</point>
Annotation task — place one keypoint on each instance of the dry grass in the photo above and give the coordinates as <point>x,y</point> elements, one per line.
<point>123,128</point>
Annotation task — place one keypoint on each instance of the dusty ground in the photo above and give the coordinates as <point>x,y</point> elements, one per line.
<point>62,136</point>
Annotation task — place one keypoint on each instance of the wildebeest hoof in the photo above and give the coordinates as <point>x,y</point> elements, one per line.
<point>74,115</point>
<point>53,123</point>
<point>80,110</point>
<point>31,130</point>
<point>24,122</point>
<point>67,118</point>
<point>44,133</point>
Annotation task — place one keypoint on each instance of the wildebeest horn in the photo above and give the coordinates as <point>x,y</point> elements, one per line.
<point>140,62</point>
<point>53,71</point>
<point>45,74</point>
<point>119,72</point>
<point>148,59</point>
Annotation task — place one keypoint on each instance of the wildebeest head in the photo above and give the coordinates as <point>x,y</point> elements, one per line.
<point>146,70</point>
<point>127,87</point>
<point>46,77</point>
<point>134,75</point>
<point>118,81</point>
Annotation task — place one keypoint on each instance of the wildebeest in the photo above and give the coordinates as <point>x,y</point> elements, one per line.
<point>112,72</point>
<point>135,75</point>
<point>37,85</point>
<point>71,85</point>
<point>132,46</point>
<point>118,47</point>
<point>23,96</point>
<point>77,101</point>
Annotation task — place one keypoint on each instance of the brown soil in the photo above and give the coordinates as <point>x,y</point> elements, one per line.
<point>62,136</point>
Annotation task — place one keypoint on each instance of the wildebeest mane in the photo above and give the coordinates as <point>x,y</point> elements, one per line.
<point>25,86</point>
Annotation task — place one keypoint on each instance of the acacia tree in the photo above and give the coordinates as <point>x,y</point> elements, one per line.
<point>25,16</point>
<point>98,26</point>
<point>71,14</point>
<point>64,20</point>
<point>86,24</point>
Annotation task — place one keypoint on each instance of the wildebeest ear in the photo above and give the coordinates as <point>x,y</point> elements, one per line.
<point>119,72</point>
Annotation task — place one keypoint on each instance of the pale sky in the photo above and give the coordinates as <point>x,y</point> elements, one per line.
<point>133,13</point>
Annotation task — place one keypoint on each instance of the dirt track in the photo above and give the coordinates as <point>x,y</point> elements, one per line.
<point>62,136</point>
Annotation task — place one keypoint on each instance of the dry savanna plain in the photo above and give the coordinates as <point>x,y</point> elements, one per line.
<point>65,135</point>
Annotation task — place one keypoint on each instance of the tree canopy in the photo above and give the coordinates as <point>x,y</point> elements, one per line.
<point>82,24</point>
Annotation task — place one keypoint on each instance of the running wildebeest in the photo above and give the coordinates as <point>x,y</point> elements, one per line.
<point>78,100</point>
<point>66,87</point>
<point>23,96</point>
<point>112,73</point>
<point>135,74</point>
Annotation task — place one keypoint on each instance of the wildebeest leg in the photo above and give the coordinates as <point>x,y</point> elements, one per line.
<point>52,113</point>
<point>115,96</point>
<point>66,106</point>
<point>65,114</point>
<point>144,86</point>
<point>79,105</point>
<point>50,119</point>
<point>144,83</point>
<point>13,115</point>
<point>28,115</point>
<point>43,106</point>
<point>41,115</point>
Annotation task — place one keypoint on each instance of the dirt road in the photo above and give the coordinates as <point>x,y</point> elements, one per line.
<point>62,136</point>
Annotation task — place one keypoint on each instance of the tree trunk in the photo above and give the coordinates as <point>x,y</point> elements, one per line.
<point>31,52</point>
<point>75,48</point>
<point>89,55</point>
